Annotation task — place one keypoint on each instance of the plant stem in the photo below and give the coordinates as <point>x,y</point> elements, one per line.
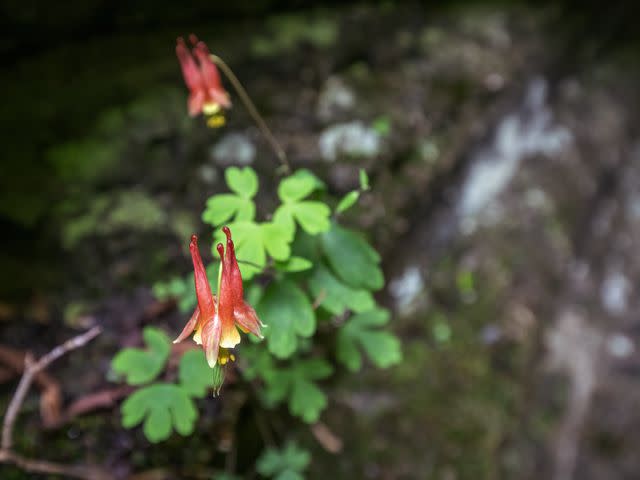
<point>253,111</point>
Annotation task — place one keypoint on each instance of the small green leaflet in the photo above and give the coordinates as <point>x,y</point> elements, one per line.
<point>163,407</point>
<point>221,208</point>
<point>285,464</point>
<point>352,258</point>
<point>287,312</point>
<point>361,331</point>
<point>348,201</point>
<point>242,181</point>
<point>312,216</point>
<point>364,180</point>
<point>335,296</point>
<point>194,373</point>
<point>295,264</point>
<point>294,384</point>
<point>141,366</point>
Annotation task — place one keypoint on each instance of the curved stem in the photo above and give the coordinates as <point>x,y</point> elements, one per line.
<point>253,111</point>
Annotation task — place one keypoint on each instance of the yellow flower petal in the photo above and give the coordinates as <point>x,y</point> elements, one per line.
<point>210,108</point>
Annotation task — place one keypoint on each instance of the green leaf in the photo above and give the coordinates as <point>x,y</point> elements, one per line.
<point>382,348</point>
<point>141,366</point>
<point>221,208</point>
<point>348,201</point>
<point>364,180</point>
<point>298,186</point>
<point>285,464</point>
<point>277,240</point>
<point>295,264</point>
<point>163,407</point>
<point>242,181</point>
<point>352,258</point>
<point>313,217</point>
<point>194,373</point>
<point>336,296</point>
<point>293,383</point>
<point>287,312</point>
<point>307,401</point>
<point>295,188</point>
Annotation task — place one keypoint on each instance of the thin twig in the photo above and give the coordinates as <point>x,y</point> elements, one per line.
<point>319,299</point>
<point>30,370</point>
<point>253,111</point>
<point>50,468</point>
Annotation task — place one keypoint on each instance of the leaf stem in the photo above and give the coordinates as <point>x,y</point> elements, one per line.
<point>253,111</point>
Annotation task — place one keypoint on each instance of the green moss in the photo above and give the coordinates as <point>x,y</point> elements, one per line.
<point>288,31</point>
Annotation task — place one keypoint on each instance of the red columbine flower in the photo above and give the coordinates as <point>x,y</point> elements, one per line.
<point>214,320</point>
<point>206,93</point>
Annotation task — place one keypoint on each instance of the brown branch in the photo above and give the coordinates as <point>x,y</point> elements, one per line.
<point>38,466</point>
<point>51,398</point>
<point>31,369</point>
<point>253,111</point>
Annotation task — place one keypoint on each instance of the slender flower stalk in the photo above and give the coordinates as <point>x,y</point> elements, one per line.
<point>253,111</point>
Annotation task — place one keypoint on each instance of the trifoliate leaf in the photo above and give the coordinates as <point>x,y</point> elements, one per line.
<point>352,258</point>
<point>287,312</point>
<point>382,348</point>
<point>285,464</point>
<point>221,208</point>
<point>348,201</point>
<point>364,180</point>
<point>242,181</point>
<point>194,373</point>
<point>336,297</point>
<point>295,264</point>
<point>141,366</point>
<point>163,407</point>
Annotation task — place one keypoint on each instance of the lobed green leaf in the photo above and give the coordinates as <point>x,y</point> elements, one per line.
<point>242,181</point>
<point>336,297</point>
<point>162,407</point>
<point>352,258</point>
<point>287,312</point>
<point>140,366</point>
<point>194,373</point>
<point>382,348</point>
